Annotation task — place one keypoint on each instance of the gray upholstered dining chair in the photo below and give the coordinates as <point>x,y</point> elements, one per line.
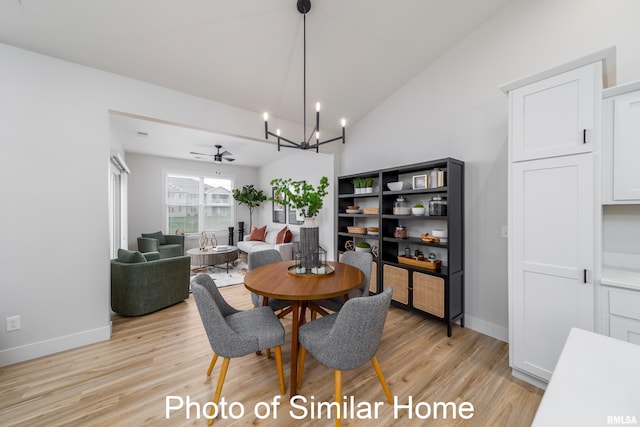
<point>257,259</point>
<point>347,339</point>
<point>361,260</point>
<point>235,333</point>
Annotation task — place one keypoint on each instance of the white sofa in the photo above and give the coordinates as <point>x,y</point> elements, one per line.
<point>287,250</point>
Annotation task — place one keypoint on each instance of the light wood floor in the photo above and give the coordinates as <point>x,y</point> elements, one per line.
<point>125,381</point>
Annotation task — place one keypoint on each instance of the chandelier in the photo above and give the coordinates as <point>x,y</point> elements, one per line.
<point>303,7</point>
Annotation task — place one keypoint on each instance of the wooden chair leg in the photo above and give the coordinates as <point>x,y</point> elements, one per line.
<point>385,387</point>
<point>268,353</point>
<point>303,354</point>
<point>212,364</point>
<point>337,383</point>
<point>216,396</point>
<point>280,370</point>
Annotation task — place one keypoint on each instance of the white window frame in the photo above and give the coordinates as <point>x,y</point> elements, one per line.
<point>201,205</point>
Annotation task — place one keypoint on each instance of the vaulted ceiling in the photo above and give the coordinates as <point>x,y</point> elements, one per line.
<point>248,53</point>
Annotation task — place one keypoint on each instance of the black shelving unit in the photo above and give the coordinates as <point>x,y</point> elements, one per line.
<point>435,293</point>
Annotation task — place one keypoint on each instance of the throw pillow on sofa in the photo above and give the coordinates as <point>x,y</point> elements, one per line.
<point>258,233</point>
<point>284,236</point>
<point>130,257</point>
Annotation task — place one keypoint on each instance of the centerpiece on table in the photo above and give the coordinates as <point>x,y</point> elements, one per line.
<point>307,200</point>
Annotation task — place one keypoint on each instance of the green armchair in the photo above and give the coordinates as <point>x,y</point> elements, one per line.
<point>168,245</point>
<point>142,284</point>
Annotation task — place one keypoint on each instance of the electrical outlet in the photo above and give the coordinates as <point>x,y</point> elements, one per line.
<point>504,232</point>
<point>13,323</point>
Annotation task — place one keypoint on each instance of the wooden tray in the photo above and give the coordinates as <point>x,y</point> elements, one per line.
<point>327,268</point>
<point>371,211</point>
<point>422,264</point>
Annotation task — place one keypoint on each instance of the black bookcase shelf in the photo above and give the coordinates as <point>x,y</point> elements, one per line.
<point>435,293</point>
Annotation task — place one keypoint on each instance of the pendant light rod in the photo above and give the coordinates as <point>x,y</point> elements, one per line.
<point>303,6</point>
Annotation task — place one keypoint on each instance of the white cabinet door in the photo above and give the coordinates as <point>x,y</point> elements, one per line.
<point>556,116</point>
<point>552,258</point>
<point>624,329</point>
<point>626,147</point>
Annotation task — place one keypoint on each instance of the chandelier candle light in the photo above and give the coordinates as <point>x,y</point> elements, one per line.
<point>303,7</point>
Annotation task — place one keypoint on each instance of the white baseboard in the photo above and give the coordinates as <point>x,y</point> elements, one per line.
<point>54,345</point>
<point>530,379</point>
<point>495,331</point>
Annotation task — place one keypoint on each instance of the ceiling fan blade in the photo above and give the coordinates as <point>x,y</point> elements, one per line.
<point>226,153</point>
<point>229,159</point>
<point>201,154</point>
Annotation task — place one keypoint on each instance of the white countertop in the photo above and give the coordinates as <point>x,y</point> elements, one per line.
<point>596,377</point>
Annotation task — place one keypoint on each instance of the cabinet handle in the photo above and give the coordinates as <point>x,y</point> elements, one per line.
<point>584,136</point>
<point>585,275</point>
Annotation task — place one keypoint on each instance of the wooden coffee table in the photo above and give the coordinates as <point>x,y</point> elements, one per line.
<point>215,257</point>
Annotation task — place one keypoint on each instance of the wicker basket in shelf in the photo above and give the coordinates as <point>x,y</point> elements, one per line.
<point>357,230</point>
<point>370,211</point>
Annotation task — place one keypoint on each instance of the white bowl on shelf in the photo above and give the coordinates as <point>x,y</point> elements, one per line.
<point>439,233</point>
<point>395,186</point>
<point>418,211</point>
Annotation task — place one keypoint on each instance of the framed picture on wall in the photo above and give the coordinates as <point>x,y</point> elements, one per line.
<point>279,210</point>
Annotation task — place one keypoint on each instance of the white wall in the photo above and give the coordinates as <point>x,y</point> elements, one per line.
<point>454,108</point>
<point>54,154</point>
<point>306,166</point>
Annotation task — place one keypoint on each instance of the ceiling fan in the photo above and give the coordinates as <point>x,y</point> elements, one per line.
<point>218,157</point>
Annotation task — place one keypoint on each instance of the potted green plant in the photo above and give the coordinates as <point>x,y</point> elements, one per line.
<point>368,185</point>
<point>307,200</point>
<point>250,196</point>
<point>418,209</point>
<point>363,247</point>
<point>357,185</point>
<point>303,197</point>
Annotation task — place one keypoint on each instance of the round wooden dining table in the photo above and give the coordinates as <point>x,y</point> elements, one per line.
<point>275,281</point>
